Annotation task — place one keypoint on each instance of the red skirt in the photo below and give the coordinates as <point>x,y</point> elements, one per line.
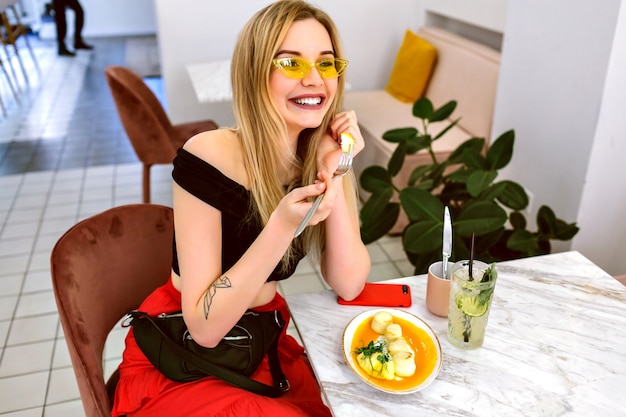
<point>144,391</point>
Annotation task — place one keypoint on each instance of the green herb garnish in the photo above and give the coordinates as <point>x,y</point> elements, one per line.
<point>490,273</point>
<point>373,348</point>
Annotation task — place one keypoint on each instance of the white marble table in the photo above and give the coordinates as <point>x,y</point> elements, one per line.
<point>211,81</point>
<point>555,346</point>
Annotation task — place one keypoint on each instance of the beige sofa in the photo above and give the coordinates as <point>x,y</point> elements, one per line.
<point>465,71</point>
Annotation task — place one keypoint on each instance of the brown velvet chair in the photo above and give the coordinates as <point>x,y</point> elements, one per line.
<point>150,131</point>
<point>102,268</point>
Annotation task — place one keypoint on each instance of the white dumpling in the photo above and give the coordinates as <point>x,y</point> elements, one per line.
<point>380,322</point>
<point>393,331</point>
<point>404,363</point>
<point>399,345</point>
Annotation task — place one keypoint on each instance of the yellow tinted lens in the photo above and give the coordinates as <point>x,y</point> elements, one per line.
<point>293,67</point>
<point>340,65</point>
<point>332,67</point>
<point>326,68</point>
<point>298,68</point>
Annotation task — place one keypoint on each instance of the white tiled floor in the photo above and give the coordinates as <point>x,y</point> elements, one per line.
<point>36,377</point>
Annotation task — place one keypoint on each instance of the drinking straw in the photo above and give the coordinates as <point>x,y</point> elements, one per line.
<point>471,259</point>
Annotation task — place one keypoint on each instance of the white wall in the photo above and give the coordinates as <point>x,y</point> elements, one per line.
<point>118,17</point>
<point>208,34</point>
<point>487,14</point>
<point>552,82</point>
<point>371,33</point>
<point>602,236</point>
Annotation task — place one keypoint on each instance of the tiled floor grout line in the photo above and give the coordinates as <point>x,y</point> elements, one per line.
<point>12,318</point>
<point>28,263</point>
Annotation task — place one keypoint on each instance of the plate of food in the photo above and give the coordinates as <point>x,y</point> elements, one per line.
<point>392,350</point>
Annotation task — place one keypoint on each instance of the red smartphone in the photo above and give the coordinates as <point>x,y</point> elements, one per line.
<point>381,295</point>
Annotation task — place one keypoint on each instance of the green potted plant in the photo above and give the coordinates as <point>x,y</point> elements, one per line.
<point>466,183</point>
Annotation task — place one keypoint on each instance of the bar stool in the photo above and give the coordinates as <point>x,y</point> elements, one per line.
<point>11,31</point>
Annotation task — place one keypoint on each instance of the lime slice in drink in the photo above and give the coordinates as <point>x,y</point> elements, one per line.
<point>471,305</point>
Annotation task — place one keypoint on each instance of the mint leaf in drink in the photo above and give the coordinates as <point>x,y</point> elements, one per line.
<point>490,273</point>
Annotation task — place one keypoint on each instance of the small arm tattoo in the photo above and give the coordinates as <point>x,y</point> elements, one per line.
<point>221,282</point>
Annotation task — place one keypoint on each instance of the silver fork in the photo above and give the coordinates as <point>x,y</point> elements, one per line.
<point>345,165</point>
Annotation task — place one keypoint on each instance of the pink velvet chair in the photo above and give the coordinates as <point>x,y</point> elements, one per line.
<point>154,138</point>
<point>102,268</point>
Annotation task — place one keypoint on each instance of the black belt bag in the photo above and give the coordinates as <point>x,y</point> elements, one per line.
<point>167,344</point>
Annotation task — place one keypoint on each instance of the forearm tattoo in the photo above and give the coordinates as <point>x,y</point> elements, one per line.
<point>221,282</point>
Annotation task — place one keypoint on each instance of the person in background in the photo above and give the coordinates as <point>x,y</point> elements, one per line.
<point>239,195</point>
<point>61,24</point>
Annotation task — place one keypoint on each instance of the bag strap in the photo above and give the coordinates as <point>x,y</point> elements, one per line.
<point>227,375</point>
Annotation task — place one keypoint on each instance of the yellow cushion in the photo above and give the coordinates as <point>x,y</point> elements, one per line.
<point>412,68</point>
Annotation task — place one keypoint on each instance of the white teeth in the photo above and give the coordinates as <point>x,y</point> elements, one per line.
<point>311,101</point>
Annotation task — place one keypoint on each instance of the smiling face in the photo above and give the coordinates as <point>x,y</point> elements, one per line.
<point>303,102</point>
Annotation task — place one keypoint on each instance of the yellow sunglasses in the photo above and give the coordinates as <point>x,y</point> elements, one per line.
<point>298,68</point>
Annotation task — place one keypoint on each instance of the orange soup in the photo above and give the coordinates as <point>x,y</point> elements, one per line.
<point>418,339</point>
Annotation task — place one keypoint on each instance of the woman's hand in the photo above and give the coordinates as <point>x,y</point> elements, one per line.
<point>329,150</point>
<point>295,205</point>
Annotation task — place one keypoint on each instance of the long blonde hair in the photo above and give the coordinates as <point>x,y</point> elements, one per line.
<point>261,128</point>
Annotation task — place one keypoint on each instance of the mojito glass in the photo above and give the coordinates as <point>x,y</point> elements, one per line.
<point>470,300</point>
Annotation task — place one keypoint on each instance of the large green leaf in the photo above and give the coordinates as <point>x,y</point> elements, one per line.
<point>375,205</point>
<point>474,159</point>
<point>474,143</point>
<point>437,172</point>
<point>398,135</point>
<point>492,192</point>
<point>517,220</point>
<point>546,221</point>
<point>554,228</point>
<point>514,196</point>
<point>420,204</point>
<point>417,143</point>
<point>565,231</point>
<point>500,152</point>
<point>426,185</point>
<point>479,180</point>
<point>377,218</point>
<point>375,178</point>
<point>423,108</point>
<point>460,175</point>
<point>397,159</point>
<point>371,232</point>
<point>480,218</point>
<point>443,112</point>
<point>523,241</point>
<point>417,173</point>
<point>423,236</point>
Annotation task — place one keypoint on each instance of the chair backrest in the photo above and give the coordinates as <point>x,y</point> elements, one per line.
<point>143,117</point>
<point>102,268</point>
<point>10,31</point>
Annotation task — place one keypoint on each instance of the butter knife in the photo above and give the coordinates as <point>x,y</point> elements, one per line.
<point>447,242</point>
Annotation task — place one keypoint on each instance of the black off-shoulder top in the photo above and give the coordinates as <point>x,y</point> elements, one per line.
<point>240,229</point>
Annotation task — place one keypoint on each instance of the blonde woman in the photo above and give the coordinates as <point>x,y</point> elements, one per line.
<point>239,195</point>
